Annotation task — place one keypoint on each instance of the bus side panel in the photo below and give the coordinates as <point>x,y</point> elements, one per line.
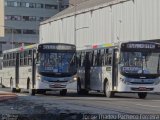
<point>24,73</point>
<point>107,75</point>
<point>7,74</point>
<point>96,82</point>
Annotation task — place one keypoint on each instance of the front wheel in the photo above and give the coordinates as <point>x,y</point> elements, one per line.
<point>63,92</point>
<point>107,91</point>
<point>142,95</point>
<point>32,92</point>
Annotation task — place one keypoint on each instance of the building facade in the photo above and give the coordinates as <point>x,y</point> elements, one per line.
<point>1,18</point>
<point>22,18</point>
<point>97,22</point>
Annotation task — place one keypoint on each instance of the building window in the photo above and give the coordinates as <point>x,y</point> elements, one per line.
<point>10,3</point>
<point>12,17</point>
<point>23,4</point>
<point>32,5</point>
<point>15,31</point>
<point>26,18</point>
<point>17,4</point>
<point>47,6</point>
<point>32,18</point>
<point>29,31</point>
<point>40,18</point>
<point>29,18</point>
<point>5,3</point>
<point>39,5</point>
<point>27,5</point>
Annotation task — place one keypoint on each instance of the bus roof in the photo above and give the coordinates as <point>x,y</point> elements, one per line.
<point>21,48</point>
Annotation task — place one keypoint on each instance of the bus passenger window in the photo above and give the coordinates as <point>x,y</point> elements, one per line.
<point>108,59</point>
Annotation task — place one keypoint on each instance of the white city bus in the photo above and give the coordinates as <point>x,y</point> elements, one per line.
<point>39,68</point>
<point>132,67</point>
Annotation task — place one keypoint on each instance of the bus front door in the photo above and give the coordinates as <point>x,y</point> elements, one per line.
<point>115,69</point>
<point>87,72</point>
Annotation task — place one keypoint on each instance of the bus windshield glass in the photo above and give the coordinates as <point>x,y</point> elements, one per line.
<point>57,63</point>
<point>140,63</point>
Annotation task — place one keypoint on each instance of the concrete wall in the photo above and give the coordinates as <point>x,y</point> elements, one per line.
<point>1,18</point>
<point>126,21</point>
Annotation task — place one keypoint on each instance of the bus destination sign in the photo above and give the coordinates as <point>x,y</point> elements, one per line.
<point>56,47</point>
<point>145,46</point>
<point>131,46</point>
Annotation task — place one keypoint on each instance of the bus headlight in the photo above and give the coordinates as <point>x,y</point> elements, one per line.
<point>38,77</point>
<point>75,78</point>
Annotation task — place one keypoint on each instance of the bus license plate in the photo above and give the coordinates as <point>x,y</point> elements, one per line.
<point>55,85</point>
<point>142,88</point>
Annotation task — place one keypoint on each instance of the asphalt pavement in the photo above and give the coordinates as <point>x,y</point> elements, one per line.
<point>94,105</point>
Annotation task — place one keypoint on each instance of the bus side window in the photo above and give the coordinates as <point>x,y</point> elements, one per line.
<point>95,58</point>
<point>4,60</point>
<point>21,58</point>
<point>7,60</point>
<point>91,58</point>
<point>102,57</point>
<point>78,60</point>
<point>30,57</point>
<point>11,59</point>
<point>25,58</point>
<point>82,59</point>
<point>98,58</point>
<point>108,58</point>
<point>14,59</point>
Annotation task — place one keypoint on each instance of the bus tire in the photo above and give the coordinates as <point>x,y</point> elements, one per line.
<point>18,90</point>
<point>40,91</point>
<point>32,92</point>
<point>79,90</point>
<point>85,92</point>
<point>13,90</point>
<point>63,92</point>
<point>142,95</point>
<point>107,91</point>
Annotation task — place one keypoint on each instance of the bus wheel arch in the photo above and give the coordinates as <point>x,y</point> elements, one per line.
<point>107,91</point>
<point>142,95</point>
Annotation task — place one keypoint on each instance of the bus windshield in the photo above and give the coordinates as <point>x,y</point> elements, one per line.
<point>140,63</point>
<point>60,64</point>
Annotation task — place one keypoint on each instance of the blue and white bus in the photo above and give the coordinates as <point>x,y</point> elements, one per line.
<point>132,67</point>
<point>39,68</point>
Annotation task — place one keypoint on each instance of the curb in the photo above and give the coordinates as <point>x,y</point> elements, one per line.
<point>7,96</point>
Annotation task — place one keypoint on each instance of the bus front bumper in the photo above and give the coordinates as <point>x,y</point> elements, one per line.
<point>151,88</point>
<point>51,85</point>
